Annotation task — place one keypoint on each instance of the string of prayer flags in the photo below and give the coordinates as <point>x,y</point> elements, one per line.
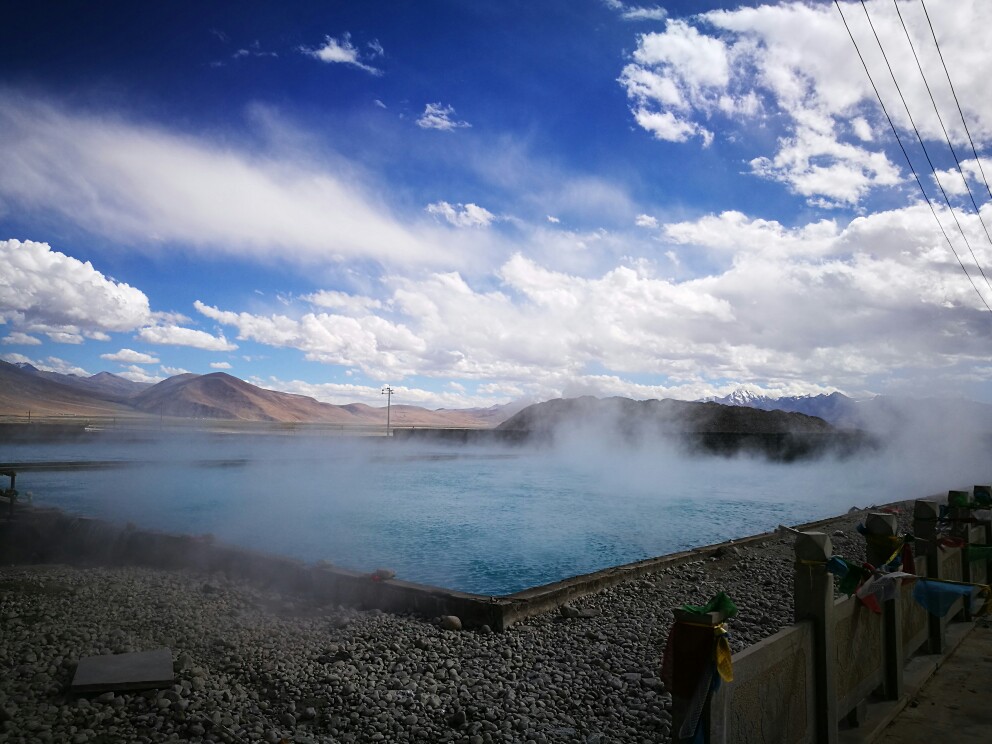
<point>938,596</point>
<point>850,574</point>
<point>881,587</point>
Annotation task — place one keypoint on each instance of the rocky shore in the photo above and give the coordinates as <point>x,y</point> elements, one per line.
<point>253,665</point>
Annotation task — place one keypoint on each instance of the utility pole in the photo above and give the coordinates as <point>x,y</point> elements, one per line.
<point>388,392</point>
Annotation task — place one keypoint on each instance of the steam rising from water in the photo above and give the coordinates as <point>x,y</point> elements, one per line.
<point>489,520</point>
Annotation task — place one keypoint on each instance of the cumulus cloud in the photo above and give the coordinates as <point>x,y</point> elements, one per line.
<point>462,215</point>
<point>646,220</point>
<point>220,365</point>
<point>334,299</point>
<point>146,186</point>
<point>178,336</point>
<point>437,116</point>
<point>16,338</point>
<point>342,51</point>
<point>129,356</point>
<point>48,364</point>
<point>794,62</point>
<point>134,373</point>
<point>789,308</point>
<point>45,291</point>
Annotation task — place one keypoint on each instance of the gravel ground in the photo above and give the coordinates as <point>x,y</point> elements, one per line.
<point>253,665</point>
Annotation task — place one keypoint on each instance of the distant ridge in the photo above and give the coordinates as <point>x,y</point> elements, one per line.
<point>28,391</point>
<point>217,396</point>
<point>661,417</point>
<point>697,427</point>
<point>882,414</point>
<point>835,408</point>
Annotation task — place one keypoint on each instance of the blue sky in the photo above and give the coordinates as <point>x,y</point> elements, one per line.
<point>480,202</point>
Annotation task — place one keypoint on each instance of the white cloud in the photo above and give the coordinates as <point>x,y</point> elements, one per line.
<point>336,300</point>
<point>48,292</point>
<point>220,365</point>
<point>553,220</point>
<point>793,62</point>
<point>64,337</point>
<point>134,373</point>
<point>862,129</point>
<point>837,304</point>
<point>462,215</point>
<point>172,371</point>
<point>654,13</point>
<point>646,220</point>
<point>664,125</point>
<point>16,338</point>
<point>437,116</point>
<point>149,187</point>
<point>342,51</point>
<point>129,356</point>
<point>178,336</point>
<point>48,364</point>
<point>637,13</point>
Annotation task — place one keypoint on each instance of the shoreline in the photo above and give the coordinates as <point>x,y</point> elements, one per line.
<point>256,664</point>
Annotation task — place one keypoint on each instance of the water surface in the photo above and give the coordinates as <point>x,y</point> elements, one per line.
<point>492,521</point>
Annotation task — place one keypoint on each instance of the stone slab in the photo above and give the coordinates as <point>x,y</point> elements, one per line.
<point>142,670</point>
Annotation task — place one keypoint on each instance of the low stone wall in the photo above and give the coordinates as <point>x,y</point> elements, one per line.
<point>842,668</point>
<point>771,698</point>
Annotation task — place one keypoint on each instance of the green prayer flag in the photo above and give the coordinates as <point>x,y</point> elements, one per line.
<point>720,603</point>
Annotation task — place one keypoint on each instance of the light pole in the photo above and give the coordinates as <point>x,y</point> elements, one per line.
<point>388,392</point>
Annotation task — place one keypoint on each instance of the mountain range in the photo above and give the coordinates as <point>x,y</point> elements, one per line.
<point>880,414</point>
<point>25,390</point>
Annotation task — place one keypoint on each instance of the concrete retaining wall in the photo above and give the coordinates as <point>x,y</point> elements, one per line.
<point>839,674</point>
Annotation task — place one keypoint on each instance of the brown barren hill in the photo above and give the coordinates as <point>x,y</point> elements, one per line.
<point>223,396</point>
<point>22,391</point>
<point>218,396</point>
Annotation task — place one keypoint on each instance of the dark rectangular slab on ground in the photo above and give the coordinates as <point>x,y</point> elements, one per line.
<point>143,670</point>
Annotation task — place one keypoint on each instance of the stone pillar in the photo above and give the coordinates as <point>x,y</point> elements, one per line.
<point>681,705</point>
<point>880,528</point>
<point>925,515</point>
<point>813,590</point>
<point>960,516</point>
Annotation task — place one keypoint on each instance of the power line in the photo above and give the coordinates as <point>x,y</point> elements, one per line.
<point>908,160</point>
<point>923,147</point>
<point>947,137</point>
<point>956,101</point>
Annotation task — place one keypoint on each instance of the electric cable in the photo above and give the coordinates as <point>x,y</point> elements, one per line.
<point>956,101</point>
<point>947,137</point>
<point>923,147</point>
<point>908,160</point>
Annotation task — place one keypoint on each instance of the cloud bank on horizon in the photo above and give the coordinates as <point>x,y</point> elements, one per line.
<point>712,197</point>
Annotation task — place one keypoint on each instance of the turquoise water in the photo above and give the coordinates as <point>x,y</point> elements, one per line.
<point>492,521</point>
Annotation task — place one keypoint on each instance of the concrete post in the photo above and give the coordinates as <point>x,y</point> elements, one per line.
<point>813,589</point>
<point>925,515</point>
<point>681,705</point>
<point>880,528</point>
